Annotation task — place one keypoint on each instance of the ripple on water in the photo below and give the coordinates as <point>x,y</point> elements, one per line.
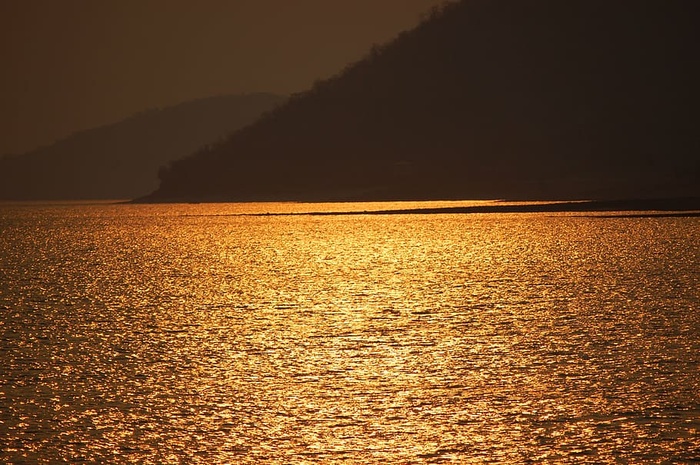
<point>149,333</point>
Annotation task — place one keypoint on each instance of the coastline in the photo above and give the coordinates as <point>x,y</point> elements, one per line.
<point>671,207</point>
<point>620,208</point>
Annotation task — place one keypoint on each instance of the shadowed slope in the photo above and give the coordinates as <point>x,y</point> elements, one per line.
<point>121,160</point>
<point>486,99</point>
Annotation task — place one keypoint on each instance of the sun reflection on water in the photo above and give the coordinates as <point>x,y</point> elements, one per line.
<point>173,337</point>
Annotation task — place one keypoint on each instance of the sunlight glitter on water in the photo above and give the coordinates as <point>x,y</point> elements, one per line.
<point>147,333</point>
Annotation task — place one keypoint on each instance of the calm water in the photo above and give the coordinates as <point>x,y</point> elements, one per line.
<point>184,334</point>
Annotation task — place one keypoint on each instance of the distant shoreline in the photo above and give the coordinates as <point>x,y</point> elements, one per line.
<point>678,207</point>
<point>674,207</point>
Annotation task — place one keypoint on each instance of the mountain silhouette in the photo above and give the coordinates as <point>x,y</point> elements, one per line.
<point>536,99</point>
<point>121,161</point>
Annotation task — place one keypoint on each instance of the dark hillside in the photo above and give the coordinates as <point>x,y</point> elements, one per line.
<point>487,98</point>
<point>121,160</point>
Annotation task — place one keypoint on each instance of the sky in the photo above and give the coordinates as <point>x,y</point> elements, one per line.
<point>70,65</point>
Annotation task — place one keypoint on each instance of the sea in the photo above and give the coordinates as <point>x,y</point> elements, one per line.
<point>258,333</point>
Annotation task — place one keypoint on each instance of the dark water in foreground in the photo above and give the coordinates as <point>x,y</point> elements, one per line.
<point>172,334</point>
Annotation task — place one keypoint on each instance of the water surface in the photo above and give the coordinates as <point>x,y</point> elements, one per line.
<point>189,334</point>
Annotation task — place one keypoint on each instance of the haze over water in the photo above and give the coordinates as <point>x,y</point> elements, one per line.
<point>189,334</point>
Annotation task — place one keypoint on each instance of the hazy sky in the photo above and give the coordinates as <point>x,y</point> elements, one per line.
<point>75,64</point>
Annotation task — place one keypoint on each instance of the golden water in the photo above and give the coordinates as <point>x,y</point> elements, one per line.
<point>189,334</point>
